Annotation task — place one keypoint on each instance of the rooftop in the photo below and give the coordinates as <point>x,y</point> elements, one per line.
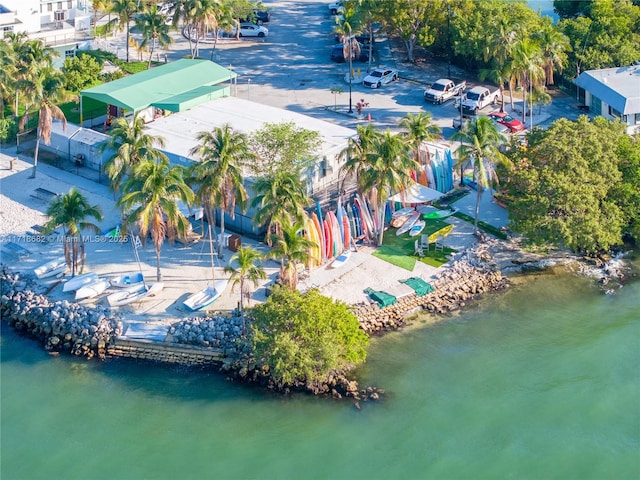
<point>618,86</point>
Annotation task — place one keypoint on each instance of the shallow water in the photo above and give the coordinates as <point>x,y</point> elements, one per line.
<point>540,382</point>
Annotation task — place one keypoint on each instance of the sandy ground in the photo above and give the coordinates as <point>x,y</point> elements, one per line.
<point>185,269</point>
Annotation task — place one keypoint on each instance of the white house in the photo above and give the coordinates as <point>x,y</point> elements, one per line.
<point>62,25</point>
<point>614,93</point>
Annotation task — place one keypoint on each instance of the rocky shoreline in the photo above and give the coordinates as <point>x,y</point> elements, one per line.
<point>68,327</point>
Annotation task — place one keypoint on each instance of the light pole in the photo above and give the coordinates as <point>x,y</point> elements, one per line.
<point>448,39</point>
<point>350,50</point>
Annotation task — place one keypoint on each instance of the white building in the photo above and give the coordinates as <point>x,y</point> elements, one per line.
<point>62,25</point>
<point>613,93</point>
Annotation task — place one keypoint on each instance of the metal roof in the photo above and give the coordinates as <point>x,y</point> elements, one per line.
<point>180,130</point>
<point>173,86</point>
<point>618,87</point>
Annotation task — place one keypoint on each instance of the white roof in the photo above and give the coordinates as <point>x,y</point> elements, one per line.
<point>181,129</point>
<point>618,87</point>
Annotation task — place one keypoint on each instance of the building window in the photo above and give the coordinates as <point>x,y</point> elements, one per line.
<point>49,7</point>
<point>59,5</point>
<point>614,113</point>
<point>70,4</point>
<point>69,53</point>
<point>637,119</point>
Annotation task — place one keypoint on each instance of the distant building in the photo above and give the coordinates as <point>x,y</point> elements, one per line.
<point>613,93</point>
<point>61,25</point>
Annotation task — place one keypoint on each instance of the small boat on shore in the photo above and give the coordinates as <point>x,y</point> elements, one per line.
<point>50,269</point>
<point>398,221</point>
<point>93,289</point>
<point>79,281</point>
<point>437,215</point>
<point>341,259</point>
<point>206,296</point>
<point>406,226</point>
<point>417,228</point>
<point>133,294</point>
<point>127,280</point>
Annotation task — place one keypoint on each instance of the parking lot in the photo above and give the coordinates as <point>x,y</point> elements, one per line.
<point>291,69</point>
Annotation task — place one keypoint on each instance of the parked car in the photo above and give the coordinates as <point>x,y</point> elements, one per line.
<point>337,54</point>
<point>362,38</point>
<point>444,89</point>
<point>258,16</point>
<point>478,98</point>
<point>503,118</point>
<point>336,7</point>
<point>252,30</point>
<point>379,77</point>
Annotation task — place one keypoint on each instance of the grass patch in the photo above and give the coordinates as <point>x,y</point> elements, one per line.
<point>399,250</point>
<point>90,106</point>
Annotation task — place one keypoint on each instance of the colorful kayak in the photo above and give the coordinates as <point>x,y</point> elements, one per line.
<point>417,228</point>
<point>439,214</point>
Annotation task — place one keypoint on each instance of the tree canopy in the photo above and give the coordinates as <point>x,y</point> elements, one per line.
<point>576,185</point>
<point>304,337</point>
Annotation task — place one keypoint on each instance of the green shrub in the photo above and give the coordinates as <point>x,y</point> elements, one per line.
<point>304,337</point>
<point>80,72</point>
<point>8,129</point>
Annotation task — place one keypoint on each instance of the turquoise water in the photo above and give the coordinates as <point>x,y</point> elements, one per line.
<point>542,382</point>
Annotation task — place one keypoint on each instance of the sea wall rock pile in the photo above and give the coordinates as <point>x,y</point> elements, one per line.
<point>62,326</point>
<point>221,332</point>
<point>453,287</point>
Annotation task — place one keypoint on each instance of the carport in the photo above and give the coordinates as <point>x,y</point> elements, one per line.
<point>176,87</point>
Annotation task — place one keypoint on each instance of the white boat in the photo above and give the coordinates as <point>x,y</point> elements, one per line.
<point>79,281</point>
<point>206,296</point>
<point>417,228</point>
<point>341,259</point>
<point>50,269</point>
<point>406,226</point>
<point>133,294</point>
<point>128,280</point>
<point>93,289</point>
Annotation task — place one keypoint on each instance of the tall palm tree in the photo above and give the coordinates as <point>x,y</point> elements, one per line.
<point>71,211</point>
<point>97,6</point>
<point>248,271</point>
<point>356,154</point>
<point>7,74</point>
<point>292,248</point>
<point>154,30</point>
<point>554,45</point>
<point>280,198</point>
<point>31,57</point>
<point>420,128</point>
<point>130,145</point>
<point>388,172</point>
<point>480,147</point>
<point>527,66</point>
<point>124,11</point>
<point>43,90</point>
<point>201,16</point>
<point>218,176</point>
<point>149,199</point>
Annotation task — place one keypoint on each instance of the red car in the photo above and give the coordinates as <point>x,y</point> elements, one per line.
<point>503,118</point>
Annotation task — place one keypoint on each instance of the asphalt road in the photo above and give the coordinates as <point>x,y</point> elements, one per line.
<point>291,69</point>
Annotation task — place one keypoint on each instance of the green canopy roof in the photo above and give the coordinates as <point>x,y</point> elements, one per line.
<point>175,86</point>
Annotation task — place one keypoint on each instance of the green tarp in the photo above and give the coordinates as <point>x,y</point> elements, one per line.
<point>382,298</point>
<point>418,285</point>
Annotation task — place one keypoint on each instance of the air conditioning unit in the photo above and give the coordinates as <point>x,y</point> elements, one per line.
<point>58,15</point>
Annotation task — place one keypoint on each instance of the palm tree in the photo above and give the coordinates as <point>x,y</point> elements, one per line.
<point>71,211</point>
<point>280,198</point>
<point>31,56</point>
<point>389,171</point>
<point>219,174</point>
<point>130,145</point>
<point>150,197</point>
<point>480,147</point>
<point>7,74</point>
<point>154,30</point>
<point>43,89</point>
<point>420,128</point>
<point>247,271</point>
<point>554,45</point>
<point>527,66</point>
<point>292,248</point>
<point>200,15</point>
<point>98,5</point>
<point>356,155</point>
<point>124,10</point>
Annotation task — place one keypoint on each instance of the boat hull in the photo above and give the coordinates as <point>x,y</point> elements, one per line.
<point>79,281</point>
<point>49,269</point>
<point>126,281</point>
<point>93,289</point>
<point>341,259</point>
<point>408,224</point>
<point>206,296</point>
<point>134,294</point>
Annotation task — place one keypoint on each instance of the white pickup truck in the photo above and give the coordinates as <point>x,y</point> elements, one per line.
<point>444,89</point>
<point>479,97</point>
